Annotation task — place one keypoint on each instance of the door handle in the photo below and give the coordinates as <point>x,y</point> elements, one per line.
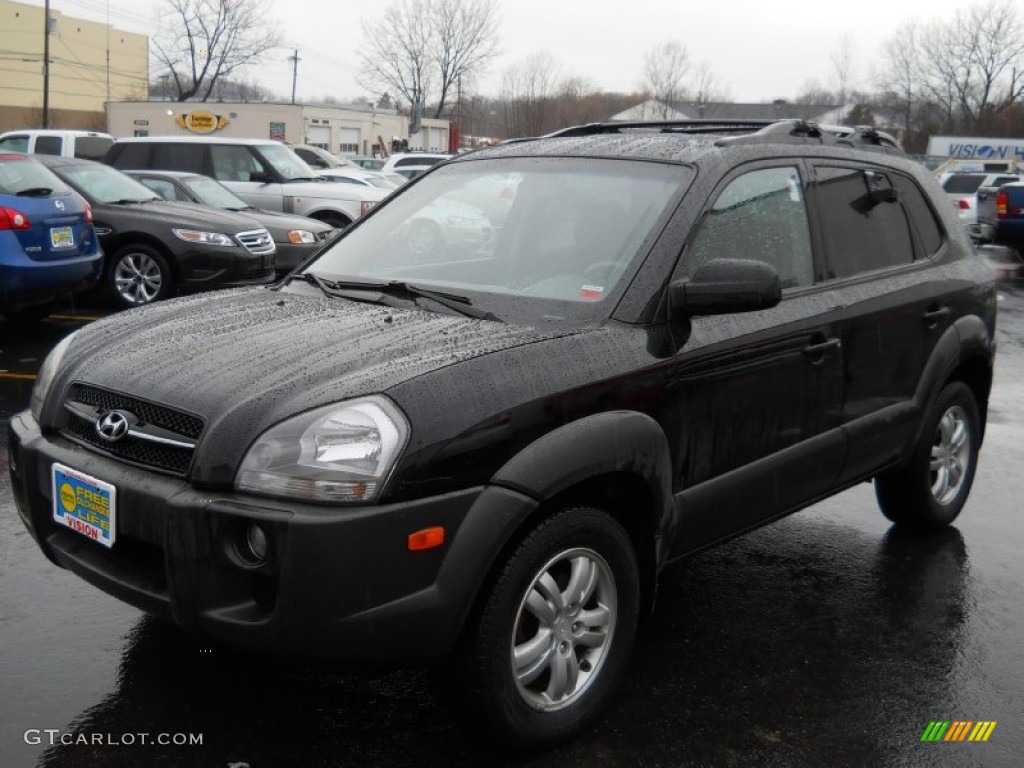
<point>820,348</point>
<point>933,316</point>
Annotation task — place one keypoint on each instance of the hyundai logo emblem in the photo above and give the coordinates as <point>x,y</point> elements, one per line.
<point>112,426</point>
<point>59,204</point>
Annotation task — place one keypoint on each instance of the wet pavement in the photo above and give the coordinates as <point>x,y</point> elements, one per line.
<point>825,639</point>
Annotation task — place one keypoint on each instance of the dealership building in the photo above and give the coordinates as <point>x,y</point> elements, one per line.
<point>349,129</point>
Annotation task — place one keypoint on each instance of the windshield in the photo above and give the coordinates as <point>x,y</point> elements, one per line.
<point>283,160</point>
<point>215,194</point>
<point>103,184</point>
<point>566,232</point>
<point>21,176</point>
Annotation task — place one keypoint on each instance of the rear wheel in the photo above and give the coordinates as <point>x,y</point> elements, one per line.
<point>555,631</point>
<point>929,491</point>
<point>137,275</point>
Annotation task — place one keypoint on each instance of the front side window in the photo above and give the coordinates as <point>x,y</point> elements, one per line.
<point>288,165</point>
<point>863,224</point>
<point>215,194</point>
<point>234,163</point>
<point>162,187</point>
<point>760,215</point>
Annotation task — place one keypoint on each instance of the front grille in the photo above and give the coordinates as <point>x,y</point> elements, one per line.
<point>257,241</point>
<point>175,459</point>
<point>184,424</point>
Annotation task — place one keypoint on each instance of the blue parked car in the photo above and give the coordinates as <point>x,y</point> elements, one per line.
<point>47,243</point>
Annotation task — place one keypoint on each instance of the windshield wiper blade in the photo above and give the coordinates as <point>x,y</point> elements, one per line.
<point>129,201</point>
<point>35,192</point>
<point>401,290</point>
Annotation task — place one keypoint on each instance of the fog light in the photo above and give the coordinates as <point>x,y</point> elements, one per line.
<point>253,545</point>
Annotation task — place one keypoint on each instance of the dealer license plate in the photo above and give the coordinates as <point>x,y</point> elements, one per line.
<point>62,237</point>
<point>84,504</point>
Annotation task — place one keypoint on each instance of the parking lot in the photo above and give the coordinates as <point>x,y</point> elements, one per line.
<point>826,639</point>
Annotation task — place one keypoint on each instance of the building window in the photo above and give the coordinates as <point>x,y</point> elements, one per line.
<point>353,148</point>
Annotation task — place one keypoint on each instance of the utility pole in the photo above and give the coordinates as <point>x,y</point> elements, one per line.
<point>46,65</point>
<point>295,71</point>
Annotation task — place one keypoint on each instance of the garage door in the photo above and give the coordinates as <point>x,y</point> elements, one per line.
<point>319,136</point>
<point>349,140</point>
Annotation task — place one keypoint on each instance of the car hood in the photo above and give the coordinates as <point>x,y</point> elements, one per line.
<point>175,214</point>
<point>247,359</point>
<point>279,224</point>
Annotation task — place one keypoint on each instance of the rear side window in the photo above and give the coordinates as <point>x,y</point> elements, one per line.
<point>92,147</point>
<point>861,232</point>
<point>922,216</point>
<point>759,215</point>
<point>963,183</point>
<point>133,157</point>
<point>48,145</point>
<point>179,157</point>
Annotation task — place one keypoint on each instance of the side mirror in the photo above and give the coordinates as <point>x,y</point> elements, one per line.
<point>723,286</point>
<point>260,177</point>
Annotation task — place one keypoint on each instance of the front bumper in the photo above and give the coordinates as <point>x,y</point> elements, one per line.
<point>338,583</point>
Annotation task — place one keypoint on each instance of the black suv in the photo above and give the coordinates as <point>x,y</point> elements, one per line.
<point>481,455</point>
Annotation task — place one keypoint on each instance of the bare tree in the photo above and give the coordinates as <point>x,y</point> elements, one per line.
<point>528,91</point>
<point>666,67</point>
<point>397,54</point>
<point>842,66</point>
<point>419,45</point>
<point>201,41</point>
<point>899,78</point>
<point>465,38</point>
<point>705,87</point>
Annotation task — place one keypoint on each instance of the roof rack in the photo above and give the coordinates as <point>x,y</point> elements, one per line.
<point>747,132</point>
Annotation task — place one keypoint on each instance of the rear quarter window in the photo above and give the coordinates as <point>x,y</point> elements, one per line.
<point>963,183</point>
<point>48,145</point>
<point>923,219</point>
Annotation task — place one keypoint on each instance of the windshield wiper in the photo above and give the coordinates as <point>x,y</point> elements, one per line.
<point>400,290</point>
<point>129,201</point>
<point>36,192</point>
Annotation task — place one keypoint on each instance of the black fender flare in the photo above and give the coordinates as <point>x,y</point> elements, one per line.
<point>966,338</point>
<point>627,442</point>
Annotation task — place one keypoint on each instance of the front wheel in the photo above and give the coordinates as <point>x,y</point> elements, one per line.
<point>929,491</point>
<point>137,275</point>
<point>555,631</point>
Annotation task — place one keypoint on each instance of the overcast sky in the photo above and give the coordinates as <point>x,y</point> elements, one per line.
<point>757,50</point>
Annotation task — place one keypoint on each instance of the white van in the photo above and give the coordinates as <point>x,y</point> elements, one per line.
<point>88,144</point>
<point>263,172</point>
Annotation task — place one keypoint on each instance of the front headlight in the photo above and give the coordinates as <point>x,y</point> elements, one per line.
<point>300,236</point>
<point>341,453</point>
<point>46,373</point>
<point>205,238</point>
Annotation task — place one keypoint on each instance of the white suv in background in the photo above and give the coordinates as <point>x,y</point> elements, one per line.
<point>265,173</point>
<point>412,164</point>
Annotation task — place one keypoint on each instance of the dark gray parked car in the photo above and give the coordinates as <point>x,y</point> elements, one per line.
<point>296,237</point>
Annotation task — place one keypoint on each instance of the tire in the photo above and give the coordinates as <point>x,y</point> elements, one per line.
<point>559,640</point>
<point>928,492</point>
<point>137,275</point>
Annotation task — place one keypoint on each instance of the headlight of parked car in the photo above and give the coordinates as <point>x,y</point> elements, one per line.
<point>341,452</point>
<point>46,373</point>
<point>206,238</point>
<point>299,236</point>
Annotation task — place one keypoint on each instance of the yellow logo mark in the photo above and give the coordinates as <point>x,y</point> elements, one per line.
<point>67,497</point>
<point>201,122</point>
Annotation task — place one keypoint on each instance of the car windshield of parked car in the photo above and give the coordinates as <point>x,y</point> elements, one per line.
<point>103,184</point>
<point>214,194</point>
<point>25,177</point>
<point>283,160</point>
<point>562,230</point>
